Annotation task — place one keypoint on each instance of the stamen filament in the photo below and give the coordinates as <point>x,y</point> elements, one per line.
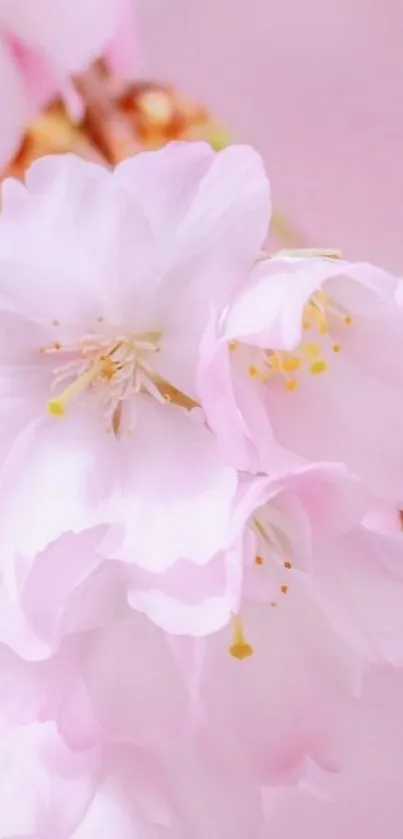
<point>57,405</point>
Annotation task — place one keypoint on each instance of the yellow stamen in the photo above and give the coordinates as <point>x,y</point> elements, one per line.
<point>291,364</point>
<point>108,368</point>
<point>284,589</point>
<point>348,320</point>
<point>239,649</point>
<point>318,366</point>
<point>336,347</point>
<point>311,351</point>
<point>259,560</point>
<point>291,384</point>
<point>274,361</point>
<point>116,419</point>
<point>57,405</point>
<point>253,371</point>
<point>319,318</point>
<point>232,345</point>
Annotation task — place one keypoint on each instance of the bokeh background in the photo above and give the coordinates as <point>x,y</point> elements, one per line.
<point>316,87</point>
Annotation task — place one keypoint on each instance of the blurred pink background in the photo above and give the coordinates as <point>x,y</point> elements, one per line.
<point>317,87</point>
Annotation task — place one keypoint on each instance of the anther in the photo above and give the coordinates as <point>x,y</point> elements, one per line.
<point>311,351</point>
<point>291,364</point>
<point>284,589</point>
<point>318,367</point>
<point>108,369</point>
<point>259,560</point>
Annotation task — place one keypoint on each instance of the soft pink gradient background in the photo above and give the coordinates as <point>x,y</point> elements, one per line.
<point>317,87</point>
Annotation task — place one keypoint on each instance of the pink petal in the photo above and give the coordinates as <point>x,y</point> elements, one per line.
<point>368,792</point>
<point>186,599</point>
<point>145,703</point>
<point>59,29</point>
<point>359,582</point>
<point>293,695</point>
<point>170,488</point>
<point>362,429</point>
<point>68,249</point>
<point>51,461</point>
<point>14,106</point>
<point>54,784</point>
<point>218,208</point>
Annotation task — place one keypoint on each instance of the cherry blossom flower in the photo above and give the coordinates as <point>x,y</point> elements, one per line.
<point>107,283</point>
<point>279,623</point>
<point>306,537</point>
<point>125,681</point>
<point>305,365</point>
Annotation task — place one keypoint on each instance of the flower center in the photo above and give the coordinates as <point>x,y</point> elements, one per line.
<point>114,371</point>
<point>271,547</point>
<point>311,356</point>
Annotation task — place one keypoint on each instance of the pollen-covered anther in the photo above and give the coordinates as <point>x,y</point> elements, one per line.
<point>259,560</point>
<point>108,368</point>
<point>318,309</point>
<point>310,351</point>
<point>239,648</point>
<point>318,366</point>
<point>255,372</point>
<point>284,589</point>
<point>284,363</point>
<point>290,364</point>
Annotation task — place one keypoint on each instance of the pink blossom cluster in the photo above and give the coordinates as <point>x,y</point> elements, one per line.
<point>201,471</point>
